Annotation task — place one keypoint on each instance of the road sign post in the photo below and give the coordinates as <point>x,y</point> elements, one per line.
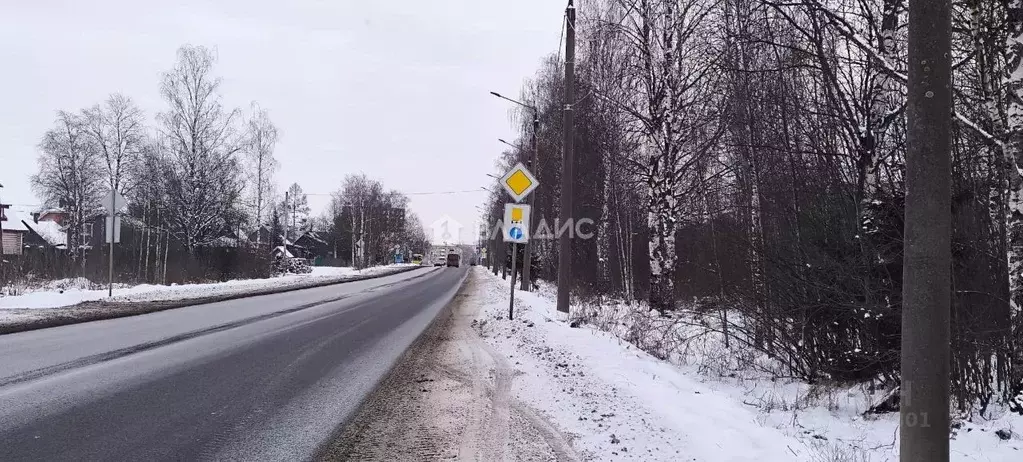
<point>518,182</point>
<point>516,231</point>
<point>113,233</point>
<point>511,298</point>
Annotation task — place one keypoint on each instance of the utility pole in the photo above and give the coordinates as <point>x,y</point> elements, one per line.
<point>567,178</point>
<point>924,403</point>
<point>492,240</point>
<point>362,236</point>
<point>527,257</point>
<point>2,268</point>
<point>287,202</point>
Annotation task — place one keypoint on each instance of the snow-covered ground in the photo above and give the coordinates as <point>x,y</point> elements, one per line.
<point>67,292</point>
<point>623,403</point>
<point>619,402</point>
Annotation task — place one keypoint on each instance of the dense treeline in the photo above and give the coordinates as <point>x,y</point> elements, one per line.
<point>749,155</point>
<point>361,209</point>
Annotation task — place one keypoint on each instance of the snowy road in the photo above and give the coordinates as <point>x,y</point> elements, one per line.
<point>267,378</point>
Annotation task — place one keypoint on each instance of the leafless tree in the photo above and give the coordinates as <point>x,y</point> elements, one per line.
<point>666,87</point>
<point>203,176</point>
<point>261,165</point>
<point>70,174</point>
<point>297,208</point>
<point>117,131</point>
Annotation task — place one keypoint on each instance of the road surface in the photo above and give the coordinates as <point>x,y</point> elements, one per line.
<point>263,378</point>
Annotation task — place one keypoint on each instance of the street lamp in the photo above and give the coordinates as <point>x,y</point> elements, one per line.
<point>527,259</point>
<point>509,144</point>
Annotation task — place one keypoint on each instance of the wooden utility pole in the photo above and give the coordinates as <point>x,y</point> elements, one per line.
<point>2,218</point>
<point>567,159</point>
<point>926,296</point>
<point>286,204</point>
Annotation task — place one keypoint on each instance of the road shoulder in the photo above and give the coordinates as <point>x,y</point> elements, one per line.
<point>449,398</point>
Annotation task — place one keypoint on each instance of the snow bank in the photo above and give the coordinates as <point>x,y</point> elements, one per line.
<point>67,292</point>
<point>621,402</point>
<point>828,421</point>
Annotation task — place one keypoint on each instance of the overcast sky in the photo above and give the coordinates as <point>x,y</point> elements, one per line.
<point>395,89</point>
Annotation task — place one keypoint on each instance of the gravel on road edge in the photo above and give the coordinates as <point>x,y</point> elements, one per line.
<point>354,434</point>
<point>449,398</point>
<point>100,310</point>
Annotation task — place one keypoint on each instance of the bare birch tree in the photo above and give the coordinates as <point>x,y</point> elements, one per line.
<point>70,174</point>
<point>259,152</point>
<point>667,90</point>
<point>203,176</point>
<point>117,131</point>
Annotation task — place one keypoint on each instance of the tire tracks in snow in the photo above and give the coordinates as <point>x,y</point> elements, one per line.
<point>497,433</point>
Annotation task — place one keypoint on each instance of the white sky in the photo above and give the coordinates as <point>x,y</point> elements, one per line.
<point>395,89</point>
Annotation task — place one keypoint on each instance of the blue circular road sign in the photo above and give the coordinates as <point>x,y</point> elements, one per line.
<point>515,232</point>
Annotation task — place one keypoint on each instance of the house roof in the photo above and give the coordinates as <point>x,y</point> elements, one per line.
<point>280,249</point>
<point>50,212</point>
<point>16,218</point>
<point>50,231</point>
<point>224,241</point>
<point>315,236</point>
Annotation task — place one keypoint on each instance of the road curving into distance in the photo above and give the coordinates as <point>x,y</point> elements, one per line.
<point>262,378</point>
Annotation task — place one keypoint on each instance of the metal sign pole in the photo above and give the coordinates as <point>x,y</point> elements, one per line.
<point>511,299</point>
<point>110,271</point>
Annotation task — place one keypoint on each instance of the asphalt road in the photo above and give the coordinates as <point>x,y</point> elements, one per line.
<point>263,378</point>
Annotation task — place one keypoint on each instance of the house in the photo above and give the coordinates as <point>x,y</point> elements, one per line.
<point>280,251</point>
<point>45,234</point>
<point>94,230</point>
<point>308,244</point>
<point>55,215</point>
<point>262,235</point>
<point>312,244</point>
<point>12,231</point>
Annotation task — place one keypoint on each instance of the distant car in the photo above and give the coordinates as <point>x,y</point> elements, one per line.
<point>417,259</point>
<point>453,260</point>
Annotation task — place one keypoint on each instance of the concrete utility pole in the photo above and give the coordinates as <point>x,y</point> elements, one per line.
<point>926,297</point>
<point>493,247</point>
<point>567,177</point>
<point>527,257</point>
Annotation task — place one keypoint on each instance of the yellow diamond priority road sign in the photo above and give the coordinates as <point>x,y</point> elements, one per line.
<point>519,182</point>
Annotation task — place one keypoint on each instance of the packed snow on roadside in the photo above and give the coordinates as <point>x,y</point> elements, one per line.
<point>67,292</point>
<point>619,402</point>
<point>698,403</point>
